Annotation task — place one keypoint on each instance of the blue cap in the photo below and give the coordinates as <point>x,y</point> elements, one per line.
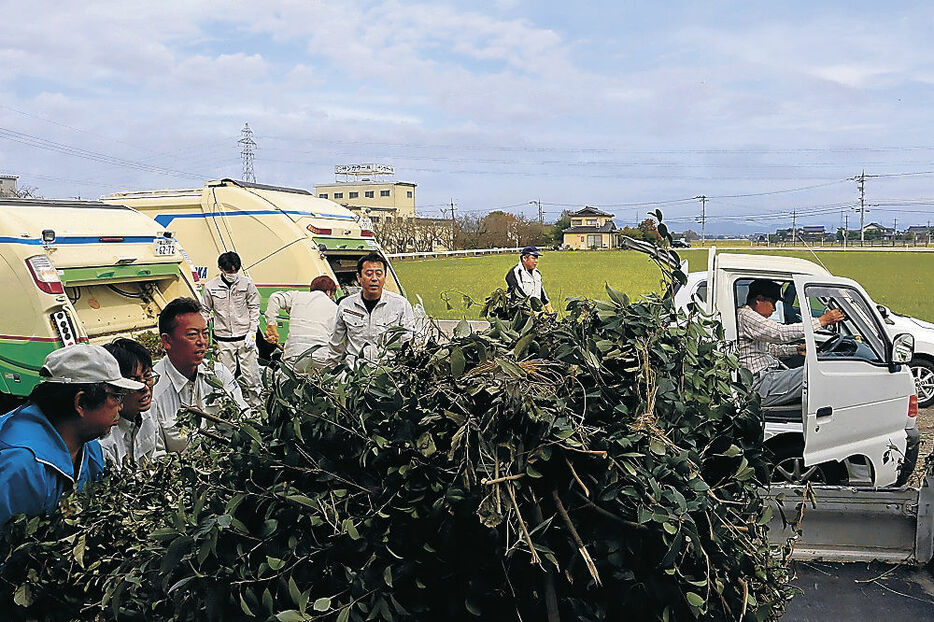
<point>531,250</point>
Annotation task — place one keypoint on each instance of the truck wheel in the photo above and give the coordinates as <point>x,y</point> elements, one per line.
<point>922,371</point>
<point>788,468</point>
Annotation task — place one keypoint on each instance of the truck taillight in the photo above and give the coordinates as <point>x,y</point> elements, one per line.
<point>913,406</point>
<point>318,230</point>
<point>44,274</point>
<point>367,233</point>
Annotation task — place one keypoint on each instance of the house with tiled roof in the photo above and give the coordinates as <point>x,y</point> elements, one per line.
<point>590,228</point>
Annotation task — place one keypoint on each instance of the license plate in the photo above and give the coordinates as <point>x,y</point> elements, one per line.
<point>164,247</point>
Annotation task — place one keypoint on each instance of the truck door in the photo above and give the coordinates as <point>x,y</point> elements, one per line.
<point>855,404</point>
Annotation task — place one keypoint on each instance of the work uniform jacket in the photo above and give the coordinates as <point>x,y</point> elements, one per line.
<point>174,391</point>
<point>235,307</point>
<point>311,322</point>
<point>128,438</point>
<point>35,464</point>
<point>357,331</point>
<point>520,281</point>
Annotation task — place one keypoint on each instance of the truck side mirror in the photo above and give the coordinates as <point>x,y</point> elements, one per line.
<point>903,348</point>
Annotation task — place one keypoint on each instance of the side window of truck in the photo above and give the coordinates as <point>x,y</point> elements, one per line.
<point>856,337</point>
<point>741,289</point>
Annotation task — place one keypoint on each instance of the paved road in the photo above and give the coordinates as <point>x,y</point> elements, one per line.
<point>848,593</point>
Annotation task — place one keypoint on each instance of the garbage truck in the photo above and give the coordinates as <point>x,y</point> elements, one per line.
<point>285,236</point>
<point>78,271</point>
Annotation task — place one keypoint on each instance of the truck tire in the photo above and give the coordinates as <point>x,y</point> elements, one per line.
<point>922,370</point>
<point>788,467</point>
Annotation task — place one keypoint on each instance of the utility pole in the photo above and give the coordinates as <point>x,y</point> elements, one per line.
<point>247,145</point>
<point>453,224</point>
<point>846,228</point>
<point>541,214</point>
<point>703,218</point>
<point>895,232</point>
<point>861,184</point>
<point>794,227</point>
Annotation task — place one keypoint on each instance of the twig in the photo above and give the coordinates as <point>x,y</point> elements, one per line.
<point>500,480</point>
<point>591,452</point>
<point>576,477</point>
<point>742,613</point>
<point>525,530</point>
<point>591,566</point>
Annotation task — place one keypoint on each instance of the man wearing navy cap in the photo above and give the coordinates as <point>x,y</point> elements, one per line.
<point>524,279</point>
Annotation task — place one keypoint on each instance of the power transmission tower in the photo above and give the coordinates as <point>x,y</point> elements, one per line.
<point>247,145</point>
<point>703,218</point>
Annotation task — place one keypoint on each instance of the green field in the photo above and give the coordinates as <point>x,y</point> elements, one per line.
<point>901,280</point>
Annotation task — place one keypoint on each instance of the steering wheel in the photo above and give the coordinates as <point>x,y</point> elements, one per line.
<point>832,345</point>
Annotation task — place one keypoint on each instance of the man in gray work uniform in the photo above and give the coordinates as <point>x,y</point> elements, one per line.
<point>233,300</point>
<point>362,318</point>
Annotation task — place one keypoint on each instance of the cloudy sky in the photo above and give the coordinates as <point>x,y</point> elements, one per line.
<point>765,108</point>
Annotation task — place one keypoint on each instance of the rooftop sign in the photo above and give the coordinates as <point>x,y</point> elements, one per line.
<point>363,169</point>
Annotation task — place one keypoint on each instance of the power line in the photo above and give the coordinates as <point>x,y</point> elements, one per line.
<point>49,145</point>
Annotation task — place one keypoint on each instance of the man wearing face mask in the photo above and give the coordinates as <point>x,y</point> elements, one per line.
<point>233,300</point>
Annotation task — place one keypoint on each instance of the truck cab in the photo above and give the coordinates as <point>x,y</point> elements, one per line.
<point>856,419</point>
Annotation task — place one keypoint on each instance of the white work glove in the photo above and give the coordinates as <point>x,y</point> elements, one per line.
<point>250,341</point>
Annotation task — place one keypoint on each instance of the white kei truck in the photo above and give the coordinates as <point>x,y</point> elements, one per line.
<point>855,428</point>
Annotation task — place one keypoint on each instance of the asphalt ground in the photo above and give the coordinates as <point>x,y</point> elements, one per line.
<point>834,592</point>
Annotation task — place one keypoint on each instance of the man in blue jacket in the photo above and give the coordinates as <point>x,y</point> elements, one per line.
<point>49,445</point>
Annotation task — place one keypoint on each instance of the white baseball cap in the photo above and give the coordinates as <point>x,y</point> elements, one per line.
<point>85,364</point>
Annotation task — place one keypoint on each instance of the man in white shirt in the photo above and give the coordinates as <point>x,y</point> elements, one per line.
<point>133,439</point>
<point>524,279</point>
<point>762,341</point>
<point>364,317</point>
<point>233,300</point>
<point>311,323</point>
<point>185,379</point>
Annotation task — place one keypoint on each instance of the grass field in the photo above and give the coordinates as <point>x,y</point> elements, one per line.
<point>902,280</point>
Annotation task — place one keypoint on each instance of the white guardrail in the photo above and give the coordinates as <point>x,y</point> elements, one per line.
<point>464,253</point>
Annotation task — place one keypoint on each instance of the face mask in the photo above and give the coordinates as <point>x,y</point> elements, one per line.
<point>230,279</point>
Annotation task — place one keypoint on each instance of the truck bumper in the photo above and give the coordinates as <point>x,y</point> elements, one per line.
<point>911,456</point>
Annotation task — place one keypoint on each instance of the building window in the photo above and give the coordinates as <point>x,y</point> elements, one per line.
<point>408,194</point>
<point>368,194</point>
<point>354,195</point>
<point>323,195</point>
<point>384,193</point>
<point>338,195</point>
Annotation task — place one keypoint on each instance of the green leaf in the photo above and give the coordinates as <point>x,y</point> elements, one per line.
<point>344,615</point>
<point>295,593</point>
<point>291,615</point>
<point>387,576</point>
<point>351,529</point>
<point>23,596</point>
<point>462,329</point>
<point>695,600</point>
<point>472,607</point>
<point>458,362</point>
<point>322,604</point>
<point>274,562</point>
<point>303,500</point>
<point>78,550</point>
<point>522,345</point>
<point>245,607</point>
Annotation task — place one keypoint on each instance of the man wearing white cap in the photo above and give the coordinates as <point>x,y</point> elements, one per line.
<point>49,445</point>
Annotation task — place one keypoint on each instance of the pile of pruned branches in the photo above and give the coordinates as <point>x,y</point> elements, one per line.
<point>601,467</point>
